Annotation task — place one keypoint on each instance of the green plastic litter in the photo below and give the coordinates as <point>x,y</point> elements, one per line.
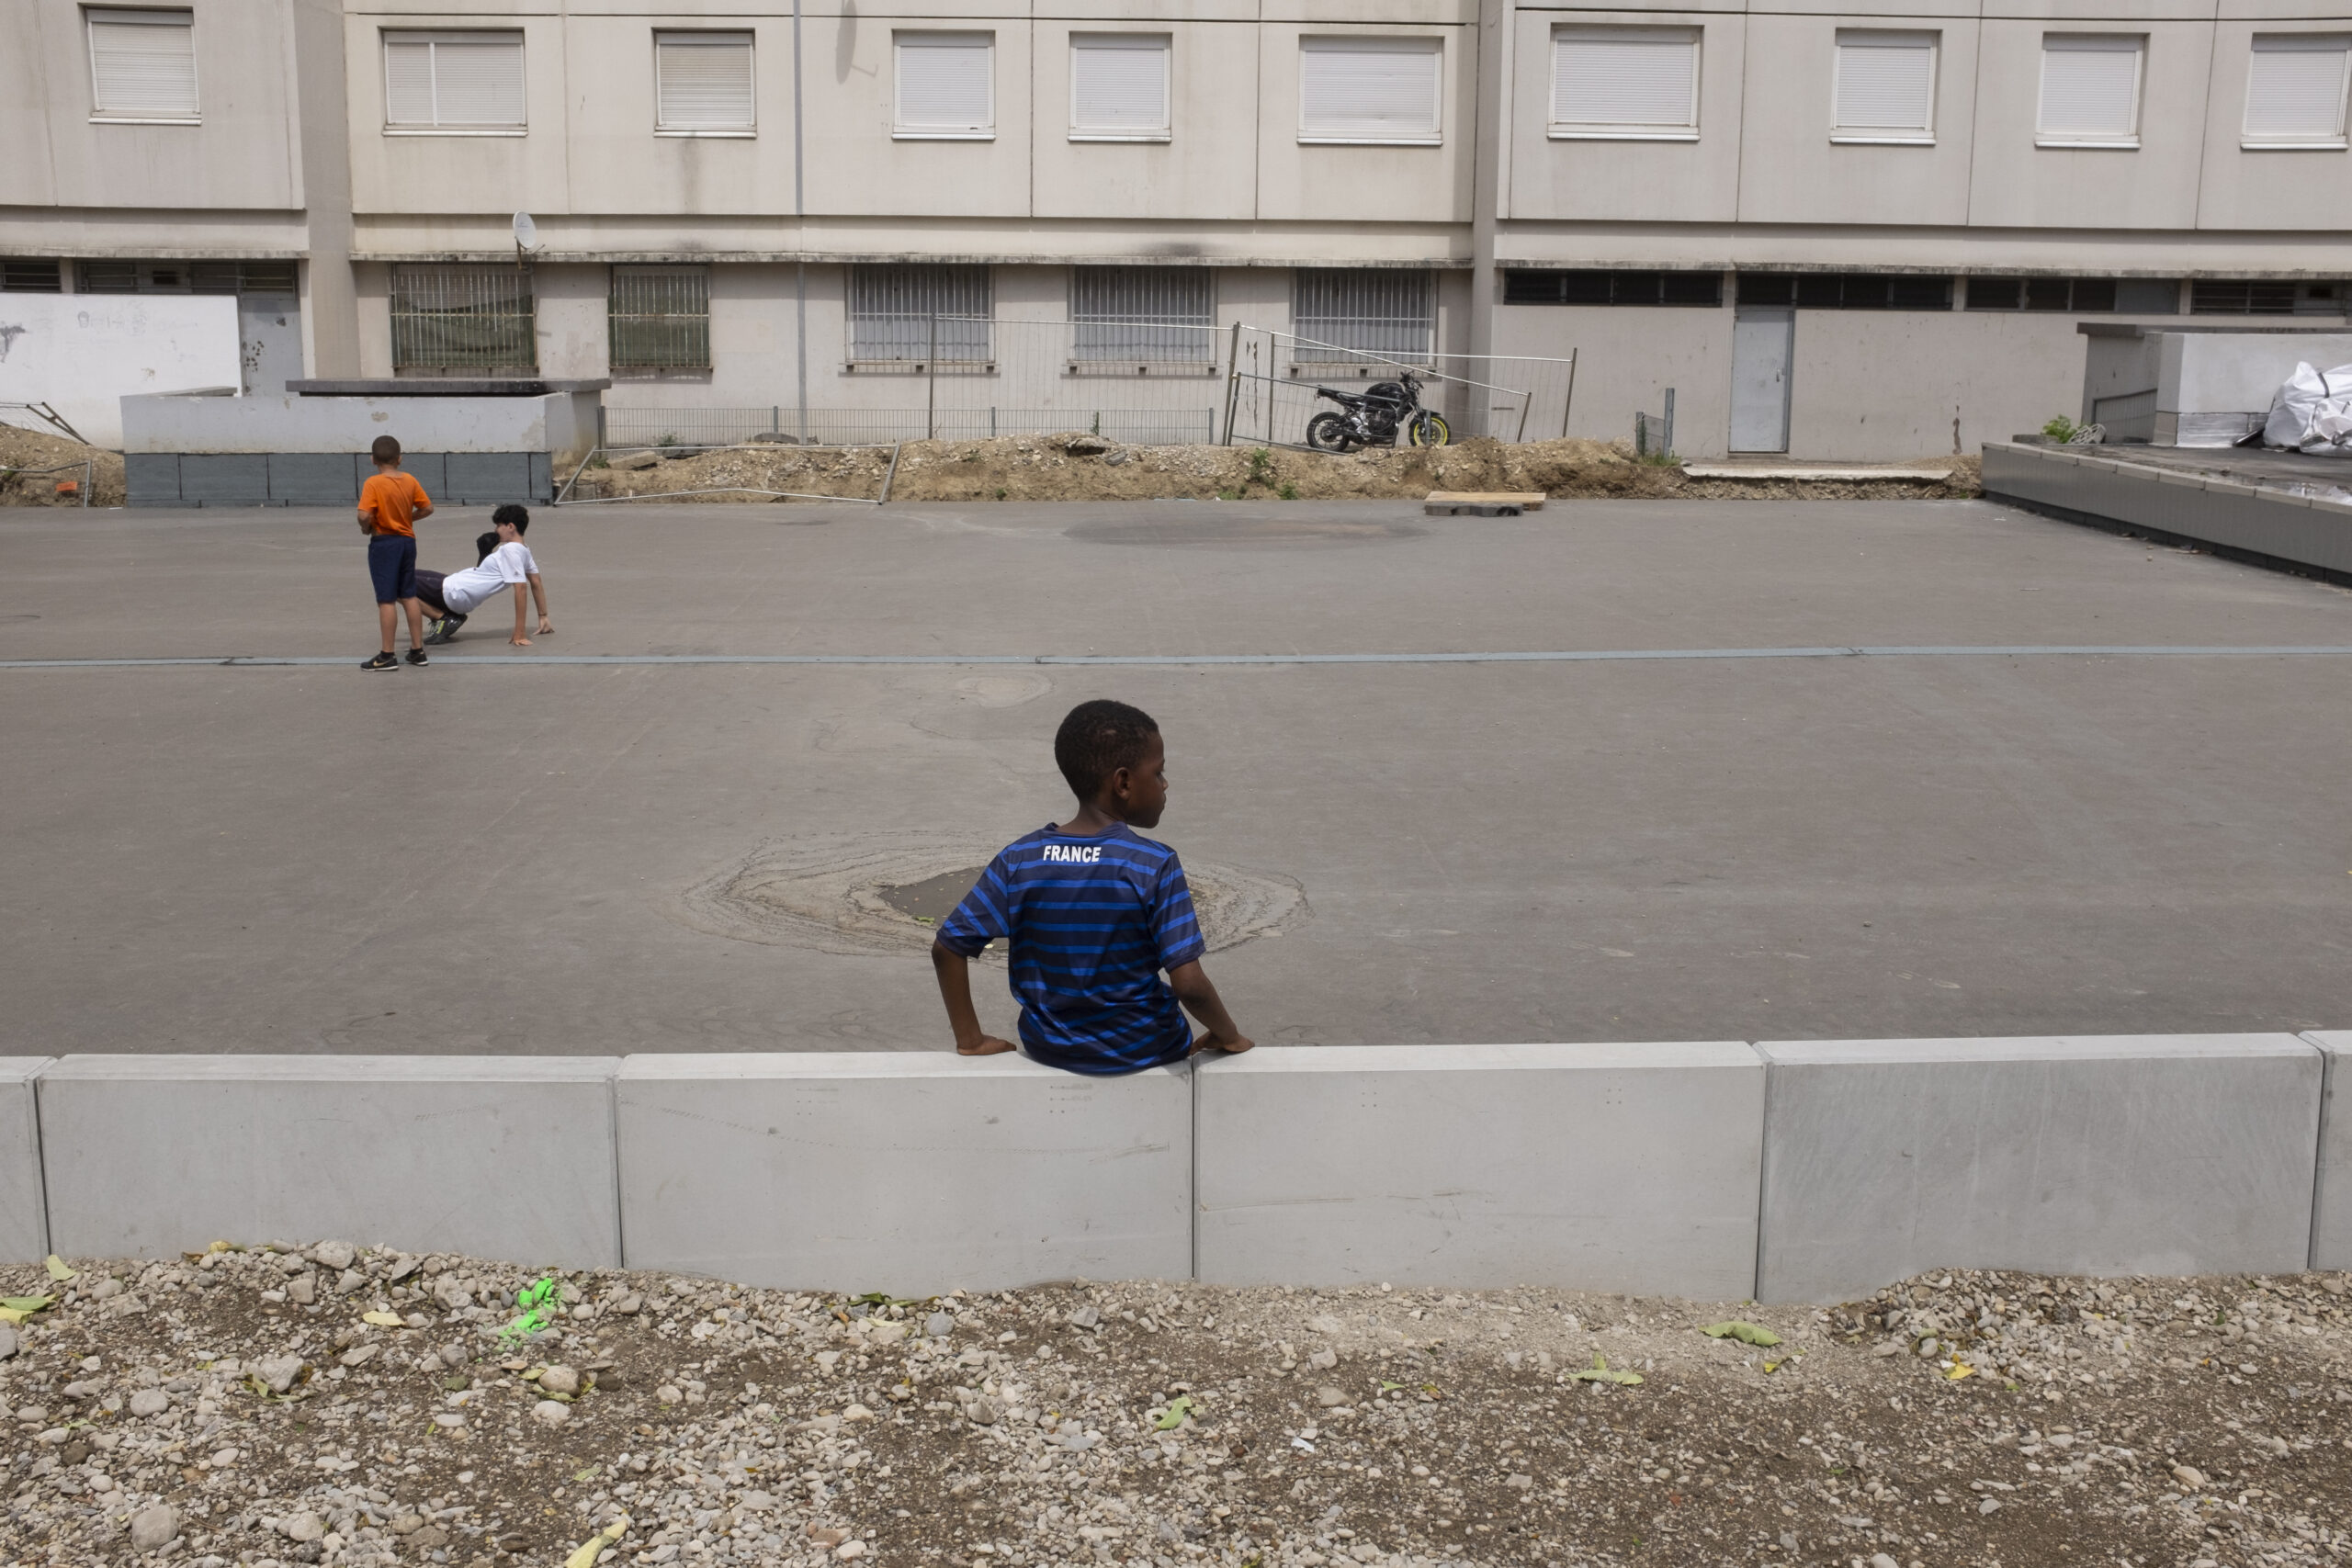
<point>1598,1372</point>
<point>1178,1408</point>
<point>1746,1333</point>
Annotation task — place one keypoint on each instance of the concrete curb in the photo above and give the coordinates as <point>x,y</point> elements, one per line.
<point>1793,1170</point>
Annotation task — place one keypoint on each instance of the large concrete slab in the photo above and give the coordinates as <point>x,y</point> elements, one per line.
<point>506,1157</point>
<point>24,1215</point>
<point>2332,1194</point>
<point>2120,1155</point>
<point>1596,1167</point>
<point>911,1172</point>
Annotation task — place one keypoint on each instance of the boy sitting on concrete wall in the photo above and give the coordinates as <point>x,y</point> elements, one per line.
<point>1093,912</point>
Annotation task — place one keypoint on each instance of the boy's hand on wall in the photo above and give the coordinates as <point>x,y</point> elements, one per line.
<point>1231,1044</point>
<point>986,1045</point>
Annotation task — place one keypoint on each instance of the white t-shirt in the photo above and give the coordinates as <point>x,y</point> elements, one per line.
<point>465,591</point>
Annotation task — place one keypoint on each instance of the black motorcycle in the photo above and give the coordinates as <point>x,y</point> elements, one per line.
<point>1372,418</point>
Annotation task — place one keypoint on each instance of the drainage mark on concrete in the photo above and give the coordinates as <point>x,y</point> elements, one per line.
<point>886,894</point>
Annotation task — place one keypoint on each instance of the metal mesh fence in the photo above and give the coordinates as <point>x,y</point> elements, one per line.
<point>462,318</point>
<point>1280,381</point>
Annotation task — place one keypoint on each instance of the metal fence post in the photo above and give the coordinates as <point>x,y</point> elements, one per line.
<point>931,388</point>
<point>1232,382</point>
<point>1568,401</point>
<point>1669,420</point>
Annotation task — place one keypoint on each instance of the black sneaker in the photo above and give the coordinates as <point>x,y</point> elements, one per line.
<point>416,656</point>
<point>381,661</point>
<point>449,624</point>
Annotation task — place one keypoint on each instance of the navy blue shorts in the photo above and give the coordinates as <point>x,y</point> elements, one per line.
<point>391,562</point>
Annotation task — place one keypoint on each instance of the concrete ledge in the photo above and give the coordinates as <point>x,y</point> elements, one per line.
<point>909,1172</point>
<point>1610,1167</point>
<point>2332,1191</point>
<point>2120,1155</point>
<point>23,1212</point>
<point>507,1157</point>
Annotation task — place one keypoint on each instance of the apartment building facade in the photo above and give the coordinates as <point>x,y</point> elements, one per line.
<point>1838,234</point>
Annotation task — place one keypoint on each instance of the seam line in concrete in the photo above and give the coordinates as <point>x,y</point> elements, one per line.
<point>1563,656</point>
<point>1763,1169</point>
<point>41,1161</point>
<point>2319,1160</point>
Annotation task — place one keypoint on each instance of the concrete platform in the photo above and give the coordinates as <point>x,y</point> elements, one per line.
<point>24,1225</point>
<point>2147,1154</point>
<point>2332,1199</point>
<point>1590,1167</point>
<point>148,1157</point>
<point>915,1173</point>
<point>489,856</point>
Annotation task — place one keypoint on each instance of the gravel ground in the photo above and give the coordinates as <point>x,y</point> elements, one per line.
<point>241,1407</point>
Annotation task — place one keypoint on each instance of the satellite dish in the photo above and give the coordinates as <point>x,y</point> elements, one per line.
<point>527,233</point>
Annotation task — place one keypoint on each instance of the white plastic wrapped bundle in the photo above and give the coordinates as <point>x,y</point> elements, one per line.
<point>2313,412</point>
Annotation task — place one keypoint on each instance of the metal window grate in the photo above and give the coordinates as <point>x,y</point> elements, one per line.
<point>891,312</point>
<point>1142,315</point>
<point>242,277</point>
<point>658,318</point>
<point>2265,296</point>
<point>1847,291</point>
<point>462,318</point>
<point>1365,310</point>
<point>1579,286</point>
<point>31,277</point>
<point>106,277</point>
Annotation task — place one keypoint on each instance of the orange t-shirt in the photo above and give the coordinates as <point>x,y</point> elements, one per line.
<point>394,498</point>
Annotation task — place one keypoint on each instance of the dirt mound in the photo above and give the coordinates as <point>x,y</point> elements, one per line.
<point>22,449</point>
<point>1087,467</point>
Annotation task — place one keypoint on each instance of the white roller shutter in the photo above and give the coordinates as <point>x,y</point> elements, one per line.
<point>1633,82</point>
<point>142,65</point>
<point>1118,86</point>
<point>461,81</point>
<point>1369,89</point>
<point>947,85</point>
<point>1886,87</point>
<point>2294,89</point>
<point>2090,90</point>
<point>703,81</point>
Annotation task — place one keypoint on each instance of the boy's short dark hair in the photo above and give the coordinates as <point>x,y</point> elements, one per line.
<point>385,450</point>
<point>1096,739</point>
<point>483,545</point>
<point>518,517</point>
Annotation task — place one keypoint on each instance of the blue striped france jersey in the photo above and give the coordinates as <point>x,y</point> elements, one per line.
<point>1092,922</point>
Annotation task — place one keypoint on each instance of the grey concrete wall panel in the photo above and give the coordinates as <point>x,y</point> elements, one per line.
<point>909,1172</point>
<point>315,479</point>
<point>152,479</point>
<point>428,469</point>
<point>23,1214</point>
<point>478,477</point>
<point>505,1157</point>
<point>1596,1167</point>
<point>2332,1192</point>
<point>225,478</point>
<point>2298,529</point>
<point>542,475</point>
<point>2117,1154</point>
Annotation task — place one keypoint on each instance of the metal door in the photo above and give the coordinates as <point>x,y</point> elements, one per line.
<point>1763,341</point>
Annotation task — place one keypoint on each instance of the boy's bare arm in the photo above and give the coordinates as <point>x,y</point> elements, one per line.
<point>1194,989</point>
<point>955,989</point>
<point>539,592</point>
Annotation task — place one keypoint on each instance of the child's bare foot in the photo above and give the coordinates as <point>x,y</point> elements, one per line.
<point>986,1045</point>
<point>1232,1046</point>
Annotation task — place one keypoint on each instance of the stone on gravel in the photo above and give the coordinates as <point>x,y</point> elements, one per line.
<point>304,1528</point>
<point>152,1527</point>
<point>1330,1398</point>
<point>7,1342</point>
<point>277,1372</point>
<point>335,1255</point>
<point>1881,1559</point>
<point>302,1289</point>
<point>560,1380</point>
<point>939,1325</point>
<point>150,1402</point>
<point>2188,1476</point>
<point>351,1280</point>
<point>554,1411</point>
<point>359,1355</point>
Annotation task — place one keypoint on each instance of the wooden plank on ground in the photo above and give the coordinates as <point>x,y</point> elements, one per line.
<point>1482,502</point>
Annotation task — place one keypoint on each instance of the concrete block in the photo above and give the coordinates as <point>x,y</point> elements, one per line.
<point>1607,1168</point>
<point>2332,1192</point>
<point>224,478</point>
<point>24,1213</point>
<point>152,479</point>
<point>2115,1155</point>
<point>428,469</point>
<point>909,1172</point>
<point>476,478</point>
<point>506,1157</point>
<point>315,479</point>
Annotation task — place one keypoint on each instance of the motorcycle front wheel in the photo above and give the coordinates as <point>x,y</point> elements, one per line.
<point>1428,430</point>
<point>1329,433</point>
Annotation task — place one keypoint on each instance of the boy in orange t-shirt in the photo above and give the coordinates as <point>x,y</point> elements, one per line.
<point>390,504</point>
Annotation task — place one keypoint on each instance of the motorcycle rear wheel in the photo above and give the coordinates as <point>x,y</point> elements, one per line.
<point>1329,433</point>
<point>1429,430</point>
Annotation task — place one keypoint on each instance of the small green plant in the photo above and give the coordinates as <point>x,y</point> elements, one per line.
<point>667,438</point>
<point>1000,494</point>
<point>1662,459</point>
<point>2061,430</point>
<point>1261,467</point>
<point>539,1303</point>
<point>1288,493</point>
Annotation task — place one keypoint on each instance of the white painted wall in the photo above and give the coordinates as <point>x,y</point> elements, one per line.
<point>83,353</point>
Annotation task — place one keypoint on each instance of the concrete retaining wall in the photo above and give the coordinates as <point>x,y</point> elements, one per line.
<point>2332,1193</point>
<point>1794,1170</point>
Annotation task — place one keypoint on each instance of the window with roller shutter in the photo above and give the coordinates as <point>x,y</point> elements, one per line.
<point>453,82</point>
<point>702,83</point>
<point>1886,89</point>
<point>142,65</point>
<point>1625,84</point>
<point>2295,90</point>
<point>946,86</point>
<point>1118,87</point>
<point>1370,90</point>
<point>2090,90</point>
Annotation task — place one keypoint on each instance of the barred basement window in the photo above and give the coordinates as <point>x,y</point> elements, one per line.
<point>31,278</point>
<point>242,277</point>
<point>892,313</point>
<point>658,318</point>
<point>1364,312</point>
<point>1589,287</point>
<point>1142,315</point>
<point>456,318</point>
<point>2266,297</point>
<point>1847,291</point>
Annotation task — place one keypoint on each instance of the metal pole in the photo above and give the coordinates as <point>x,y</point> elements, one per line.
<point>800,236</point>
<point>1232,381</point>
<point>1669,420</point>
<point>1568,401</point>
<point>931,383</point>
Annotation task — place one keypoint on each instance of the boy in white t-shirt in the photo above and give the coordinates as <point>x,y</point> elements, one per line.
<point>505,562</point>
